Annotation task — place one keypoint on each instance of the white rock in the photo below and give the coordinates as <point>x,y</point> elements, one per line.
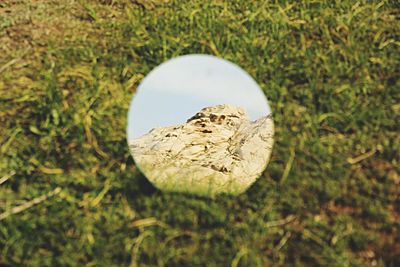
<point>218,150</point>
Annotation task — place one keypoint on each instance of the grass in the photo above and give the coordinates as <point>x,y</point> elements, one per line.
<point>329,197</point>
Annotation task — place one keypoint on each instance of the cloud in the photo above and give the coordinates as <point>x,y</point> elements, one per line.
<point>178,88</point>
<point>210,78</point>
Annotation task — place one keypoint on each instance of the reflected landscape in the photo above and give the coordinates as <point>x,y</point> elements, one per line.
<point>200,124</point>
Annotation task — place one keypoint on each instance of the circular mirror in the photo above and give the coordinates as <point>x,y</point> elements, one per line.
<point>200,124</point>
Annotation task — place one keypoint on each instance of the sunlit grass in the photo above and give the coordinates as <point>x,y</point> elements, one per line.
<point>329,197</point>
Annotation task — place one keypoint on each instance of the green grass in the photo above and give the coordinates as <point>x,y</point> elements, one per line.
<point>68,70</point>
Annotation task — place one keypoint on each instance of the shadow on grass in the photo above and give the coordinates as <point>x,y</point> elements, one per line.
<point>140,186</point>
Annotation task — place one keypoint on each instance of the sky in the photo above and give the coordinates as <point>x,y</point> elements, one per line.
<point>177,89</point>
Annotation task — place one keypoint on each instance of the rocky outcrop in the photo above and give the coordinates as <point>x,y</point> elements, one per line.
<point>218,150</point>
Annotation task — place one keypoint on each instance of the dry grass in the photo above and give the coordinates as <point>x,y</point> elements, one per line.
<point>68,70</point>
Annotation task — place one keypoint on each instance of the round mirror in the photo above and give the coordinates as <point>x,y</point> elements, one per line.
<point>200,124</point>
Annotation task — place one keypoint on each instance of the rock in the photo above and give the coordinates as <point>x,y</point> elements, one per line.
<point>218,150</point>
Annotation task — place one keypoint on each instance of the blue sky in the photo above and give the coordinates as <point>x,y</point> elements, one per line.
<point>178,88</point>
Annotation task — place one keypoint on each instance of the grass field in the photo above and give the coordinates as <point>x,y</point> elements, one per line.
<point>70,194</point>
